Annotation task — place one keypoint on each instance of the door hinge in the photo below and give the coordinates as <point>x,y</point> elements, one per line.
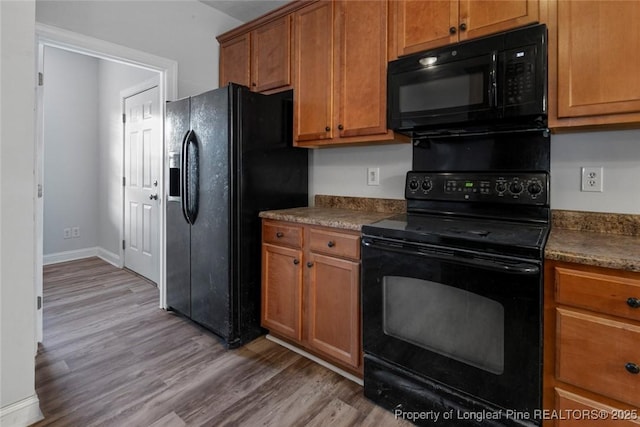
<point>124,181</point>
<point>124,118</point>
<point>123,246</point>
<point>40,79</point>
<point>39,303</point>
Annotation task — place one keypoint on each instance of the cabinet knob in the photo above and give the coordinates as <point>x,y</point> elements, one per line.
<point>279,234</point>
<point>254,84</point>
<point>309,264</point>
<point>452,30</point>
<point>633,302</point>
<point>296,261</point>
<point>632,368</point>
<point>327,129</point>
<point>331,243</point>
<point>340,127</point>
<point>463,27</point>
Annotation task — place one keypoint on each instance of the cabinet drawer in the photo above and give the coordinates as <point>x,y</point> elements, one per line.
<point>281,234</point>
<point>593,352</point>
<point>336,244</point>
<point>574,410</point>
<point>599,292</point>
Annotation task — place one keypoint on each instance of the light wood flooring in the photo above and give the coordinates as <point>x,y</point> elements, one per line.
<point>111,357</point>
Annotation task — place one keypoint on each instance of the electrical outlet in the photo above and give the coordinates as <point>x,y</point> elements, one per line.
<point>75,232</point>
<point>373,176</point>
<point>592,179</point>
<point>66,233</point>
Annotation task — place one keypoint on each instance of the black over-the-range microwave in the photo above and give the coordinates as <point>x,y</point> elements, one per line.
<point>491,82</point>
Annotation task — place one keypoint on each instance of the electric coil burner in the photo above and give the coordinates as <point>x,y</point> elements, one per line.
<point>452,290</point>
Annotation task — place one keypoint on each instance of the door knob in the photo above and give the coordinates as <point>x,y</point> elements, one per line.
<point>153,196</point>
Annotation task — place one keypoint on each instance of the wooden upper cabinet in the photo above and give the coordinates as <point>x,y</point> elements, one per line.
<point>271,56</point>
<point>259,59</point>
<point>234,61</point>
<point>422,25</point>
<point>597,69</point>
<point>313,53</point>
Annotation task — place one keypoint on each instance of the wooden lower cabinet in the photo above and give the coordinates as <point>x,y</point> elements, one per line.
<point>311,290</point>
<point>592,356</point>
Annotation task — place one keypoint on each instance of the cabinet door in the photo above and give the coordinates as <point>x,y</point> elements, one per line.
<point>360,68</point>
<point>424,24</point>
<point>271,56</point>
<point>598,69</point>
<point>282,290</point>
<point>234,61</point>
<point>313,76</point>
<point>334,308</point>
<point>491,16</point>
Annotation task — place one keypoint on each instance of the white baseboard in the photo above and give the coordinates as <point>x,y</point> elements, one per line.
<point>319,361</point>
<point>58,257</point>
<point>22,413</point>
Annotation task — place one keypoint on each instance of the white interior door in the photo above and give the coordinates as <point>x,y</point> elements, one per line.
<point>142,164</point>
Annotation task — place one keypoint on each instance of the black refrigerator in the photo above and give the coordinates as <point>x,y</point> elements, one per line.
<point>229,156</point>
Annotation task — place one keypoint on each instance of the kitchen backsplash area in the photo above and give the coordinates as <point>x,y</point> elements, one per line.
<point>343,171</point>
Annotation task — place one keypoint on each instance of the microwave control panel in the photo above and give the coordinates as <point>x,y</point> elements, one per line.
<point>520,76</point>
<point>520,188</point>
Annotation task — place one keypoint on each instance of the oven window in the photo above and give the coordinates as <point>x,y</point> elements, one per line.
<point>438,94</point>
<point>449,321</point>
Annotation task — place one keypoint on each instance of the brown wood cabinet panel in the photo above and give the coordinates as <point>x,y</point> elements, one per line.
<point>234,61</point>
<point>597,74</point>
<point>338,244</point>
<point>278,233</point>
<point>422,25</point>
<point>600,413</point>
<point>360,68</point>
<point>598,292</point>
<point>282,290</point>
<point>271,56</point>
<point>592,352</point>
<point>334,308</point>
<point>492,16</point>
<point>313,47</point>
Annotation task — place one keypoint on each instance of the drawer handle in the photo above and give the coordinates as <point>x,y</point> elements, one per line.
<point>331,243</point>
<point>632,368</point>
<point>296,261</point>
<point>633,302</point>
<point>279,234</point>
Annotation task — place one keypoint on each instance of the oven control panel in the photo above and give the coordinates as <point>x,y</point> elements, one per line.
<point>530,188</point>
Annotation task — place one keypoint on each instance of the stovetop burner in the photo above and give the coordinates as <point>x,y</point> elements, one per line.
<point>494,236</point>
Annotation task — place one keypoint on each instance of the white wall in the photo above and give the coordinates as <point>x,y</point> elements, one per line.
<point>342,171</point>
<point>181,30</point>
<point>71,140</point>
<point>18,401</point>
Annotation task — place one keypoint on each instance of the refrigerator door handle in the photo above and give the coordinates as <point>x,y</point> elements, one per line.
<point>191,165</point>
<point>184,190</point>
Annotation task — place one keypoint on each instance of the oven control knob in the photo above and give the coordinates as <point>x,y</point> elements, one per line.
<point>515,187</point>
<point>413,184</point>
<point>534,188</point>
<point>427,184</point>
<point>501,187</point>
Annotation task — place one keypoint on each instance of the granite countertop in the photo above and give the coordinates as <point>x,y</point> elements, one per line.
<point>348,213</point>
<point>597,239</point>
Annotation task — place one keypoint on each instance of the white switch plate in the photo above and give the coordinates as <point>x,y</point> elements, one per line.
<point>66,233</point>
<point>75,232</point>
<point>592,179</point>
<point>373,176</point>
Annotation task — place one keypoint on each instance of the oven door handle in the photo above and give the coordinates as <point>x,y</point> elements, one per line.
<point>487,264</point>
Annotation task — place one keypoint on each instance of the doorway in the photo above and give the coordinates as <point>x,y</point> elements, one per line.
<point>165,72</point>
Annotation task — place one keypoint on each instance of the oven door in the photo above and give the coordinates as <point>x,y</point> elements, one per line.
<point>468,321</point>
<point>453,91</point>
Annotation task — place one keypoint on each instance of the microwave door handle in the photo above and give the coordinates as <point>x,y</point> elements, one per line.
<point>493,79</point>
<point>487,264</point>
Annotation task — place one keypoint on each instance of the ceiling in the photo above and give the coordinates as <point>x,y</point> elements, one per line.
<point>245,10</point>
